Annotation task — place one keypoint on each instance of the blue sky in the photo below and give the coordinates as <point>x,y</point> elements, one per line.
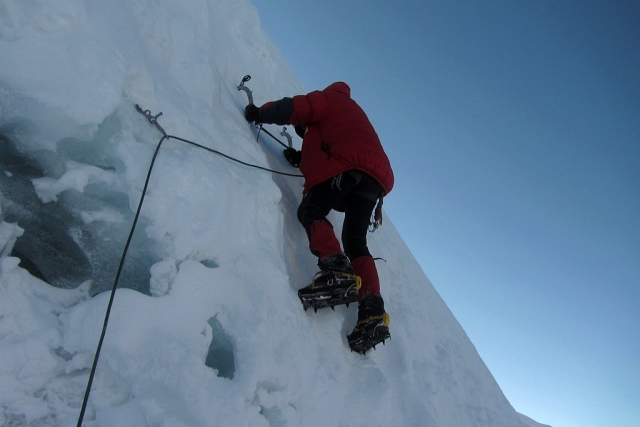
<point>514,131</point>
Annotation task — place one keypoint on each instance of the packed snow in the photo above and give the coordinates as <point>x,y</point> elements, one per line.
<point>206,327</point>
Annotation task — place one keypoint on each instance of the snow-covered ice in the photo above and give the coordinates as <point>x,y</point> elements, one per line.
<point>206,327</point>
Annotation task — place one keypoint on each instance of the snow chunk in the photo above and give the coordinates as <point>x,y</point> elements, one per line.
<point>77,177</point>
<point>9,233</point>
<point>163,273</point>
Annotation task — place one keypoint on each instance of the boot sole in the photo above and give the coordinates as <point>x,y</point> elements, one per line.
<point>329,298</point>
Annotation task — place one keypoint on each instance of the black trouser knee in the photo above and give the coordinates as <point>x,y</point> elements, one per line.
<point>309,213</point>
<point>357,216</point>
<point>355,247</point>
<point>319,201</point>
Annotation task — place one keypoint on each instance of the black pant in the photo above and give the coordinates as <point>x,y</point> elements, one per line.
<point>353,192</point>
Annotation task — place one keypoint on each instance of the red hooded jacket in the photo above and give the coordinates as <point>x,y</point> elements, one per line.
<point>339,135</point>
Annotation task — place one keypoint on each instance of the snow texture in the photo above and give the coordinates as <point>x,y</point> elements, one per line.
<point>206,327</point>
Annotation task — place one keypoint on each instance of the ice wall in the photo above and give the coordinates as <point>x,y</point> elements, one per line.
<point>207,328</point>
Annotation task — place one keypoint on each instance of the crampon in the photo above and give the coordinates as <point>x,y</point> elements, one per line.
<point>329,289</point>
<point>368,333</point>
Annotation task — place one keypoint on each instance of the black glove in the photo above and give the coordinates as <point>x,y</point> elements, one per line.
<point>293,156</point>
<point>252,113</point>
<point>300,130</point>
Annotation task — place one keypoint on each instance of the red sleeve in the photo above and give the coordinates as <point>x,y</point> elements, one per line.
<point>309,108</point>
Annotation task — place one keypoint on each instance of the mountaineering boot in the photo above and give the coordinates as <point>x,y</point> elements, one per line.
<point>336,262</point>
<point>334,284</point>
<point>372,327</point>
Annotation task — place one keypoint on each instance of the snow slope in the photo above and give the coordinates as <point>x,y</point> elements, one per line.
<point>206,328</point>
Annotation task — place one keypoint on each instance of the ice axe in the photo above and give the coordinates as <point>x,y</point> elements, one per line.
<point>249,93</point>
<point>241,86</point>
<point>286,134</point>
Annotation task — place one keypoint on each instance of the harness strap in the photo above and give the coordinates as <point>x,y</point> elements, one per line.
<point>336,275</point>
<point>377,216</point>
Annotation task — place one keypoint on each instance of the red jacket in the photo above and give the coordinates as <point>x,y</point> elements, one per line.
<point>339,136</point>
